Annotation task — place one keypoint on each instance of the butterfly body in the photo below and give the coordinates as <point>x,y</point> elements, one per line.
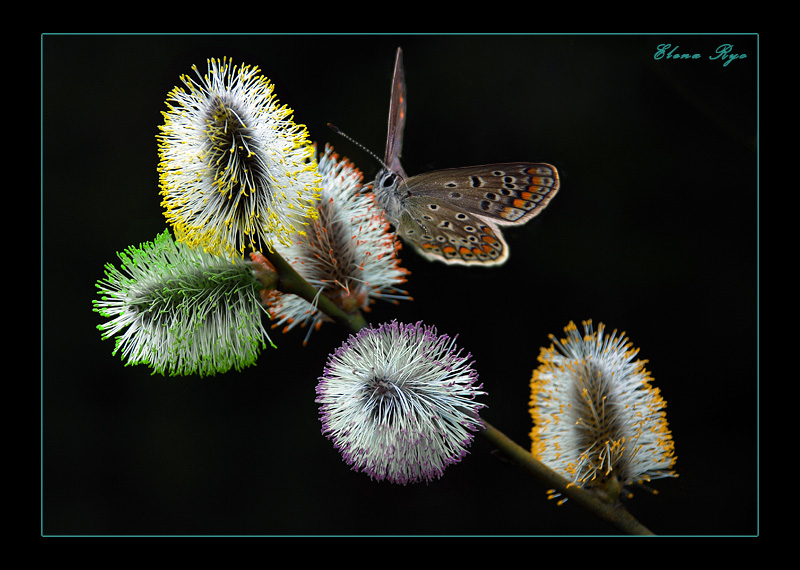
<point>453,215</point>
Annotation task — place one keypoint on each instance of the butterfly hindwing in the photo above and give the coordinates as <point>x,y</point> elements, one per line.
<point>508,194</point>
<point>442,233</point>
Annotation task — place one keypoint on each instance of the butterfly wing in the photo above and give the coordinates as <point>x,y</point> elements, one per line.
<point>397,118</point>
<point>506,194</point>
<point>439,232</point>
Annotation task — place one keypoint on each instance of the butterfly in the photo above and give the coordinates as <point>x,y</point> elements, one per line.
<point>454,215</point>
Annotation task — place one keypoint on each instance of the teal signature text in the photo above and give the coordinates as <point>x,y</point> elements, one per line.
<point>724,53</point>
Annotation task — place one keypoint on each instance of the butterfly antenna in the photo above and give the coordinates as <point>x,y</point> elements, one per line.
<point>336,130</point>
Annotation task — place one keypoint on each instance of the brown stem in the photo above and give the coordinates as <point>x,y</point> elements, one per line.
<point>289,281</point>
<point>613,513</point>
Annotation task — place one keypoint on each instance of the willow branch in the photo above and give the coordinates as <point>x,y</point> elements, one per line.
<point>289,281</point>
<point>613,513</point>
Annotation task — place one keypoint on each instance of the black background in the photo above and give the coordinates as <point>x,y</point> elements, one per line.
<point>654,232</point>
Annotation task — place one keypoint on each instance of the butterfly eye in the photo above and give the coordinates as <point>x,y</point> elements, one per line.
<point>389,180</point>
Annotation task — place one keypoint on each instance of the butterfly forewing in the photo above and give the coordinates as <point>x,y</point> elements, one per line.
<point>508,194</point>
<point>397,118</point>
